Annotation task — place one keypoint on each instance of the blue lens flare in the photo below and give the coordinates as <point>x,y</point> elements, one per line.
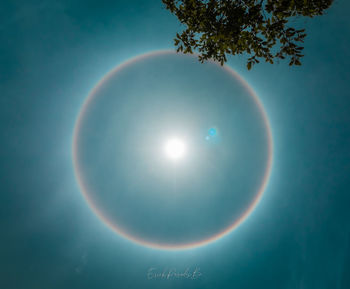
<point>212,134</point>
<point>212,131</point>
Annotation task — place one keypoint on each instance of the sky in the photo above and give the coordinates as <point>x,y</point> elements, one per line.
<point>53,53</point>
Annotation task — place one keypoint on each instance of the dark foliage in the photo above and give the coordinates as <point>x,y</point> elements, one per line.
<point>260,28</point>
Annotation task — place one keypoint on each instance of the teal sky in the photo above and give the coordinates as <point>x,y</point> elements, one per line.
<point>53,53</point>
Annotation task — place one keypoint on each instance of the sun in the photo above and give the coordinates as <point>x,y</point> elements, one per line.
<point>175,148</point>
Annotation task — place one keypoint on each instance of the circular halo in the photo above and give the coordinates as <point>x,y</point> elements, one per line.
<point>160,245</point>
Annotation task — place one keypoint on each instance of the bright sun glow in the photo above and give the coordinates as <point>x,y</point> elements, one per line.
<point>175,148</point>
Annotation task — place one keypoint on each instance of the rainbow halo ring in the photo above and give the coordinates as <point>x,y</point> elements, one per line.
<point>211,138</point>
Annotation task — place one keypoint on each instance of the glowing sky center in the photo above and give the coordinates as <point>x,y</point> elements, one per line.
<point>175,148</point>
